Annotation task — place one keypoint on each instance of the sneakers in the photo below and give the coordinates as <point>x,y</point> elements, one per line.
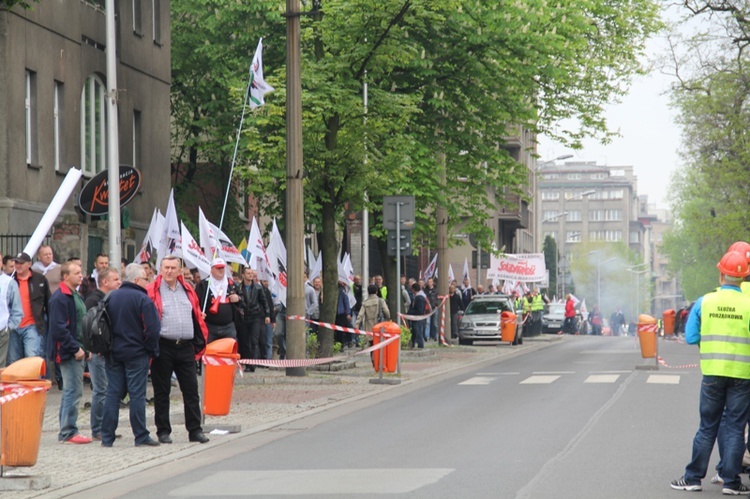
<point>742,490</point>
<point>717,480</point>
<point>681,484</point>
<point>78,439</point>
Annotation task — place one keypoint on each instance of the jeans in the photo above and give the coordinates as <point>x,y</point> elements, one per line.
<point>417,332</point>
<point>4,340</point>
<point>130,376</point>
<point>254,328</point>
<point>433,321</point>
<point>98,373</point>
<point>269,341</point>
<point>730,397</point>
<point>281,332</point>
<point>24,342</point>
<point>72,374</point>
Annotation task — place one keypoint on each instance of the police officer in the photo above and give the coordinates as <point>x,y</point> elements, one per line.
<point>537,307</point>
<point>720,323</point>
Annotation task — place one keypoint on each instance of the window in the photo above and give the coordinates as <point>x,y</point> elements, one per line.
<point>156,20</point>
<point>574,176</point>
<point>616,194</point>
<point>137,18</point>
<point>57,117</point>
<point>551,176</point>
<point>551,233</point>
<point>31,124</point>
<point>598,176</point>
<point>93,126</point>
<point>573,216</point>
<point>573,236</point>
<point>136,139</point>
<point>612,215</point>
<point>596,215</point>
<point>550,216</point>
<point>550,195</point>
<point>634,236</point>
<point>606,235</point>
<point>617,173</point>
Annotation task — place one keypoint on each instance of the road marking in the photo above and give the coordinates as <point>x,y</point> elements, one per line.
<point>553,372</point>
<point>602,378</point>
<point>664,379</point>
<point>478,380</point>
<point>498,374</point>
<point>629,352</point>
<point>347,482</point>
<point>610,372</point>
<point>539,380</point>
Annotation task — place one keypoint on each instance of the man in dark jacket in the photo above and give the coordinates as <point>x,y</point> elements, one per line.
<point>430,290</point>
<point>65,349</point>
<point>29,339</point>
<point>256,312</point>
<point>135,340</point>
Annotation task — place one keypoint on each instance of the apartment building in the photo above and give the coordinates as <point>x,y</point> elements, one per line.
<point>53,115</point>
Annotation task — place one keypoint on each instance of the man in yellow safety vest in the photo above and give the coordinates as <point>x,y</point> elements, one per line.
<point>720,323</point>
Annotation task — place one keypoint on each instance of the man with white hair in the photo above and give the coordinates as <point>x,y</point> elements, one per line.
<point>46,265</point>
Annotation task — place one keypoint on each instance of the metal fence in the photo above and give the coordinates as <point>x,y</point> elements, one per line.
<point>13,244</point>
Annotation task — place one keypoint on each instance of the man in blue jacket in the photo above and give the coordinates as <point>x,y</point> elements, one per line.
<point>135,330</point>
<point>64,348</point>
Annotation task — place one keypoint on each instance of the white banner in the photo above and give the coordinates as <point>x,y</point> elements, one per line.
<point>524,268</point>
<point>193,254</point>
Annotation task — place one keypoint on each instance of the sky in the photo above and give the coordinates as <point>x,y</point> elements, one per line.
<point>649,137</point>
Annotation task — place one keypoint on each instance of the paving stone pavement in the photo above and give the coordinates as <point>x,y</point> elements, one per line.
<point>260,401</point>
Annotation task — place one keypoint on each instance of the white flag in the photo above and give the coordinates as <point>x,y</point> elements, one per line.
<point>277,254</point>
<point>170,241</point>
<point>227,250</point>
<point>451,275</point>
<point>584,310</point>
<point>152,238</point>
<point>258,86</point>
<point>193,254</point>
<point>316,266</point>
<point>209,241</point>
<point>466,273</point>
<point>431,268</point>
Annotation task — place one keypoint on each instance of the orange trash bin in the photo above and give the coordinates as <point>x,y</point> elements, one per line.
<point>390,351</point>
<point>23,417</point>
<point>218,382</point>
<point>507,326</point>
<point>647,336</point>
<point>669,319</point>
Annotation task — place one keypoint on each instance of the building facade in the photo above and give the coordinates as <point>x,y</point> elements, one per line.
<point>53,115</point>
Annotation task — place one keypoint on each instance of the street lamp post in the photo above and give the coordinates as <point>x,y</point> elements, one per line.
<point>599,280</point>
<point>637,283</point>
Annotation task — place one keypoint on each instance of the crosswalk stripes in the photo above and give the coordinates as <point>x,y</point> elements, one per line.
<point>600,377</point>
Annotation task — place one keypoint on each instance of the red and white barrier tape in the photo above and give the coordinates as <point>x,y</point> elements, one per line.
<point>433,312</point>
<point>683,366</point>
<point>217,360</point>
<point>20,392</point>
<point>328,325</point>
<point>647,328</point>
<point>442,330</point>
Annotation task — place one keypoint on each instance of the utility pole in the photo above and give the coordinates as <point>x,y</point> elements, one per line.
<point>295,329</point>
<point>113,146</point>
<point>442,248</point>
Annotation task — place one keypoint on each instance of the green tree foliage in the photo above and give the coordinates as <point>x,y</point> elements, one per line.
<point>452,78</point>
<point>550,261</point>
<point>710,200</point>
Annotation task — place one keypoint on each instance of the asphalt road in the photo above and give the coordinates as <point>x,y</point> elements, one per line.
<point>575,420</point>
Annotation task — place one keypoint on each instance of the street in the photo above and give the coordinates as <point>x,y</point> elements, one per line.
<point>572,420</point>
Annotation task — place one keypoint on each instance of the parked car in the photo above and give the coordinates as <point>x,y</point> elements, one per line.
<point>481,320</point>
<point>552,321</point>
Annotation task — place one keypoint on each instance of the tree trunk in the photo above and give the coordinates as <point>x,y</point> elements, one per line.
<point>329,247</point>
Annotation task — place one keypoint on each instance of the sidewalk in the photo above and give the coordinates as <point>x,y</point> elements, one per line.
<point>260,401</point>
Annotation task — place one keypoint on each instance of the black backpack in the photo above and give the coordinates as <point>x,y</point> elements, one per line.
<point>96,329</point>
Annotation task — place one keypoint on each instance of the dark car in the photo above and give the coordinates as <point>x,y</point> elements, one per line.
<point>552,320</point>
<point>481,320</point>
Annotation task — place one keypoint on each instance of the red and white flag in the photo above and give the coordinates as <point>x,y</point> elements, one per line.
<point>193,254</point>
<point>431,268</point>
<point>170,241</point>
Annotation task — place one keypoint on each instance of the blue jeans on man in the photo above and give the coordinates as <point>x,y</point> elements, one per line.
<point>24,342</point>
<point>719,396</point>
<point>269,341</point>
<point>98,373</point>
<point>417,332</point>
<point>281,332</point>
<point>72,375</point>
<point>433,326</point>
<point>130,376</point>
